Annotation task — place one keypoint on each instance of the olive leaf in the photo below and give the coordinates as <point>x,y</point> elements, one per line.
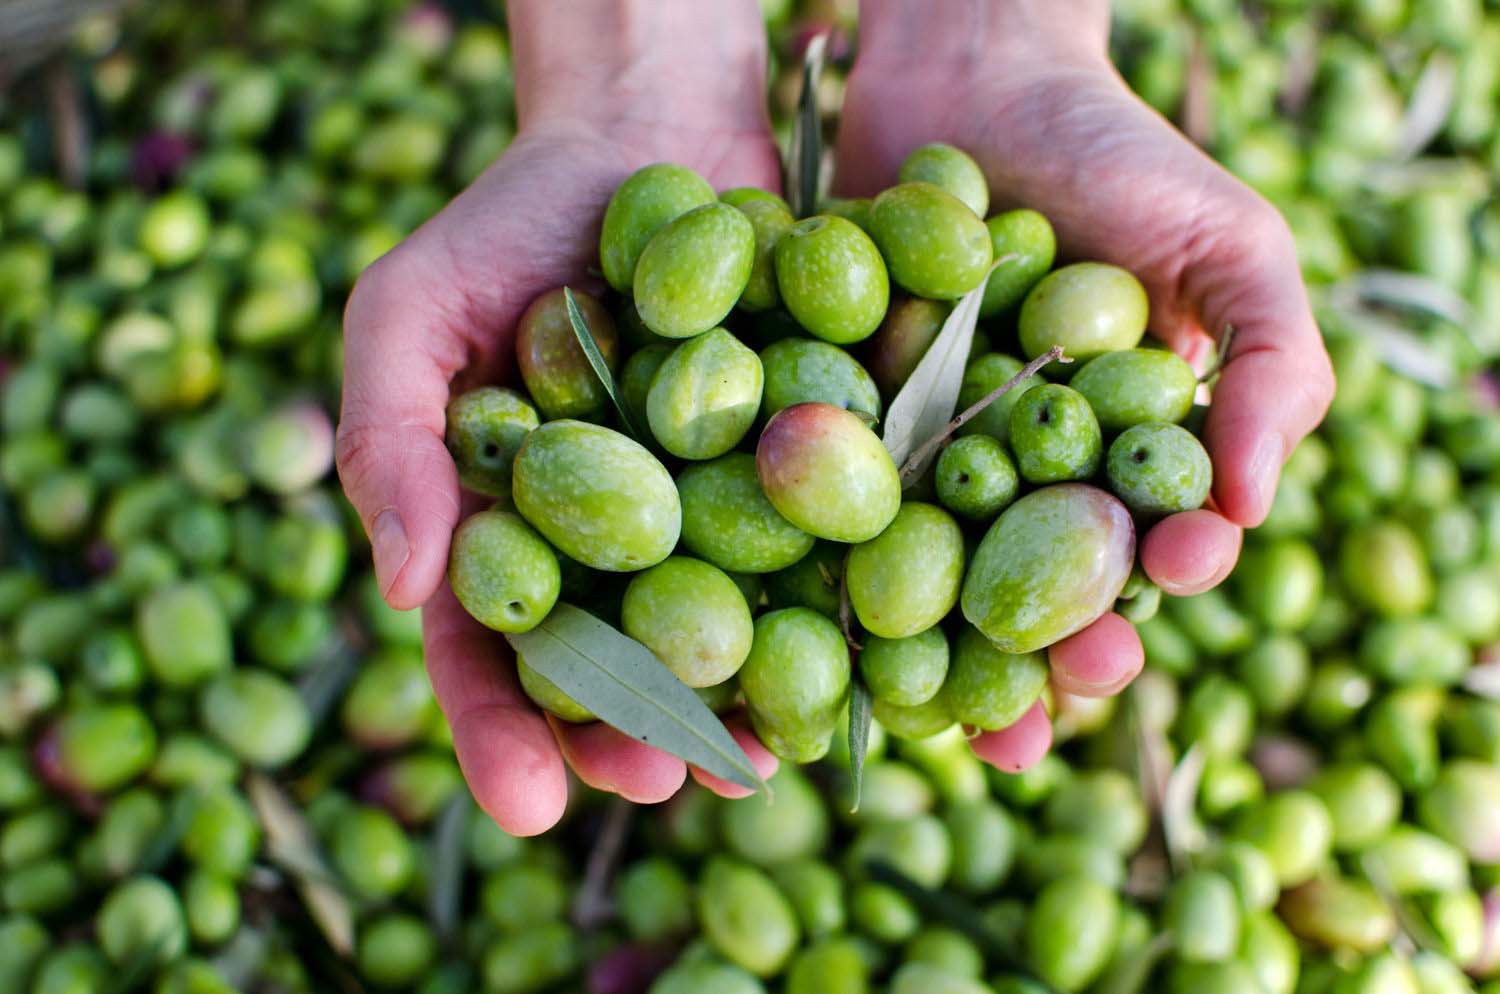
<point>1431,99</point>
<point>1483,680</point>
<point>445,882</point>
<point>323,685</point>
<point>859,739</point>
<point>1408,291</point>
<point>805,158</point>
<point>1402,348</point>
<point>601,368</point>
<point>926,401</point>
<point>916,464</point>
<point>1185,834</point>
<point>292,846</point>
<point>625,685</point>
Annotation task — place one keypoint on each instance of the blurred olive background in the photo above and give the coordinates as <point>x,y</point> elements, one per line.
<point>221,767</point>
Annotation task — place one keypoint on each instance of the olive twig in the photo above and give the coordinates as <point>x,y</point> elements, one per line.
<point>593,906</point>
<point>918,460</point>
<point>1222,359</point>
<point>846,611</point>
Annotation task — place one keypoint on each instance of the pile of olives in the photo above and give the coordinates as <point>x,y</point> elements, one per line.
<point>759,494</point>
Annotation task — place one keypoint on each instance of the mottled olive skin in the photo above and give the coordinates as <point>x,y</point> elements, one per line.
<point>771,217</point>
<point>933,244</point>
<point>832,279</point>
<point>910,326</point>
<point>1136,386</point>
<point>988,688</point>
<point>705,396</point>
<point>502,572</point>
<point>693,270</point>
<point>1025,245</point>
<point>1052,563</point>
<point>799,370</point>
<point>640,369</point>
<point>1055,436</point>
<point>976,478</point>
<point>906,671</point>
<point>906,579</point>
<point>827,473</point>
<point>596,495</point>
<point>648,199</point>
<point>557,374</point>
<point>692,616</point>
<point>982,376</point>
<point>1159,468</point>
<point>795,682</point>
<point>548,696</point>
<point>727,520</point>
<point>950,168</point>
<point>1089,308</point>
<point>745,917</point>
<point>485,430</point>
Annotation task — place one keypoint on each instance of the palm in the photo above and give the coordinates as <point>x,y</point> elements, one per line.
<point>1121,185</point>
<point>442,309</point>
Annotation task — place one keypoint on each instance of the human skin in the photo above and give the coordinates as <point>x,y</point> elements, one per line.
<point>1027,89</point>
<point>1025,86</point>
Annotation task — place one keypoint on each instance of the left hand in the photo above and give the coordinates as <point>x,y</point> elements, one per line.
<point>1027,89</point>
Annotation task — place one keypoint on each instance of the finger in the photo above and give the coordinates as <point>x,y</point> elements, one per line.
<point>764,761</point>
<point>1277,381</point>
<point>1099,661</point>
<point>1019,747</point>
<point>391,457</point>
<point>505,749</point>
<point>1190,552</point>
<point>608,759</point>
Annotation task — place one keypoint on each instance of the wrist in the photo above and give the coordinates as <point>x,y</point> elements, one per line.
<point>612,63</point>
<point>964,38</point>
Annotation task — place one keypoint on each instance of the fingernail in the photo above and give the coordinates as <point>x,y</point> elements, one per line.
<point>1265,467</point>
<point>390,548</point>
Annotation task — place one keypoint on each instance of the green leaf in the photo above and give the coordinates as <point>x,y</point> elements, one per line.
<point>805,161</point>
<point>601,368</point>
<point>292,846</point>
<point>924,404</point>
<point>622,682</point>
<point>445,883</point>
<point>859,739</point>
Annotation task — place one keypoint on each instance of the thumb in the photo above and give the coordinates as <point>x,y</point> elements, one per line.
<point>390,452</point>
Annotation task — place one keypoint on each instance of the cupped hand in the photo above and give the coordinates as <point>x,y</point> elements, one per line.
<point>437,314</point>
<point>1056,129</point>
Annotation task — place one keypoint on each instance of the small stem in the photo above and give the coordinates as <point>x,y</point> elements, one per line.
<point>593,907</point>
<point>918,460</point>
<point>846,610</point>
<point>1222,358</point>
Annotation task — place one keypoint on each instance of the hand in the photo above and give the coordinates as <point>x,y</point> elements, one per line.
<point>1027,89</point>
<point>438,314</point>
